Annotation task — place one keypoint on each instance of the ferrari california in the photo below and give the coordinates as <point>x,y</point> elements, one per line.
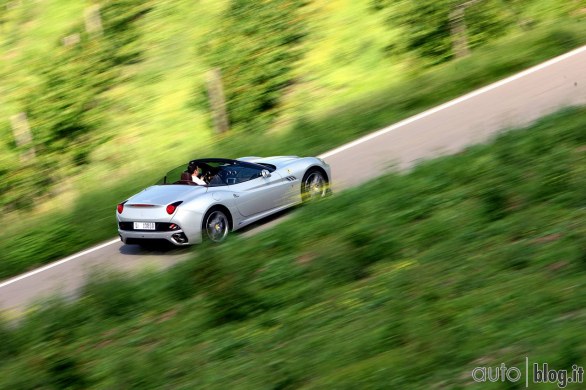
<point>207,198</point>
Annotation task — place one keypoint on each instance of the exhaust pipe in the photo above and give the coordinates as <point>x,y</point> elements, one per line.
<point>180,238</point>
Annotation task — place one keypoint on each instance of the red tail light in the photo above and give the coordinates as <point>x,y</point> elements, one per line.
<point>120,208</point>
<point>172,207</point>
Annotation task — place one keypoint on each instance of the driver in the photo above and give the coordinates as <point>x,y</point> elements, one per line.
<point>195,172</point>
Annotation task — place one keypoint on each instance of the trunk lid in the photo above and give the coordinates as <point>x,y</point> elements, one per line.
<point>165,194</point>
<point>150,204</point>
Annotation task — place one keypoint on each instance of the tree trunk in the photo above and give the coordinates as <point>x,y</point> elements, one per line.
<point>23,136</point>
<point>93,20</point>
<point>458,29</point>
<point>217,100</point>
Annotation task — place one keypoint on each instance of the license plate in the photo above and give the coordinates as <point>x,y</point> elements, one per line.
<point>144,226</point>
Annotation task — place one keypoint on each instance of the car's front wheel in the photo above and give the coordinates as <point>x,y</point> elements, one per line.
<point>215,226</point>
<point>314,185</point>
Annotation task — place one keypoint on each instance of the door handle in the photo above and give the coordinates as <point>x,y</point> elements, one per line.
<point>236,195</point>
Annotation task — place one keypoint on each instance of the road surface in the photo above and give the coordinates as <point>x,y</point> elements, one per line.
<point>448,128</point>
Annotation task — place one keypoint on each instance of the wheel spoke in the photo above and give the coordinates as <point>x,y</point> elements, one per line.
<point>217,226</point>
<point>314,186</point>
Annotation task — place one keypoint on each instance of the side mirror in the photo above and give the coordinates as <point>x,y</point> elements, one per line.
<point>265,173</point>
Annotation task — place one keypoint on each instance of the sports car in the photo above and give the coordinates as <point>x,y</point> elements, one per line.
<point>207,198</point>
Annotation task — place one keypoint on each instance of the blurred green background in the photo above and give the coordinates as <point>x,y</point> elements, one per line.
<point>401,299</point>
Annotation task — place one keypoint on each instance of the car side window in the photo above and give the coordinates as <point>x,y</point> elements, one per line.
<point>244,174</point>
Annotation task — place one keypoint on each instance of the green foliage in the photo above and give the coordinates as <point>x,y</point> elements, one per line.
<point>120,20</point>
<point>67,109</point>
<point>225,293</point>
<point>54,322</point>
<point>221,289</point>
<point>428,26</point>
<point>28,178</point>
<point>64,372</point>
<point>113,295</point>
<point>255,48</point>
<point>9,346</point>
<point>68,106</point>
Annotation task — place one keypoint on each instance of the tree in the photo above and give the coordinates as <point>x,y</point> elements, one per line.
<point>440,30</point>
<point>255,49</point>
<point>460,46</point>
<point>67,109</point>
<point>69,103</point>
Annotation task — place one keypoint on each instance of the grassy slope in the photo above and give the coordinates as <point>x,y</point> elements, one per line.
<point>474,259</point>
<point>70,223</point>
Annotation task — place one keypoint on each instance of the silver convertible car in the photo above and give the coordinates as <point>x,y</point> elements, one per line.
<point>210,197</point>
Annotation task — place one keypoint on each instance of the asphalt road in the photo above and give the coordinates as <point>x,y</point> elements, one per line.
<point>448,128</point>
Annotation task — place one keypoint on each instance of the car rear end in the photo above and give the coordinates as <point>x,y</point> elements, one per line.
<point>138,222</point>
<point>156,214</point>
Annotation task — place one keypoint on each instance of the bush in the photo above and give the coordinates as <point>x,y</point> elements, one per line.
<point>9,346</point>
<point>56,321</point>
<point>113,295</point>
<point>225,292</point>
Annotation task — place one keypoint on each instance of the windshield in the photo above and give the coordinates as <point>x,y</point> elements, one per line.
<point>172,176</point>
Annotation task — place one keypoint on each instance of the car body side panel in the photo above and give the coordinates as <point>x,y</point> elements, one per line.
<point>190,215</point>
<point>297,169</point>
<point>261,194</point>
<point>190,222</point>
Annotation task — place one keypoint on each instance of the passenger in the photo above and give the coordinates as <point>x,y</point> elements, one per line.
<point>195,175</point>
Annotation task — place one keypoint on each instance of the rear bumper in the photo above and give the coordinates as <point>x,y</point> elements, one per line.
<point>177,237</point>
<point>183,228</point>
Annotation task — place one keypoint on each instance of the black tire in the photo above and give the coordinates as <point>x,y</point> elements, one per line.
<point>215,226</point>
<point>314,185</point>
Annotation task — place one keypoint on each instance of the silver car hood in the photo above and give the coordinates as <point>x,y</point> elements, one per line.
<point>166,194</point>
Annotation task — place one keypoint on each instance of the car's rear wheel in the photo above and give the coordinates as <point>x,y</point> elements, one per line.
<point>314,185</point>
<point>215,226</point>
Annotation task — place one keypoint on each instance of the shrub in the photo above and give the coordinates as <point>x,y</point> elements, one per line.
<point>113,295</point>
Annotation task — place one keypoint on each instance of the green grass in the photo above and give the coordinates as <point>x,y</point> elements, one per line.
<point>80,212</point>
<point>473,259</point>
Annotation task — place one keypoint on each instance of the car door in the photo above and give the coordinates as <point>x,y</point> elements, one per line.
<point>254,194</point>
